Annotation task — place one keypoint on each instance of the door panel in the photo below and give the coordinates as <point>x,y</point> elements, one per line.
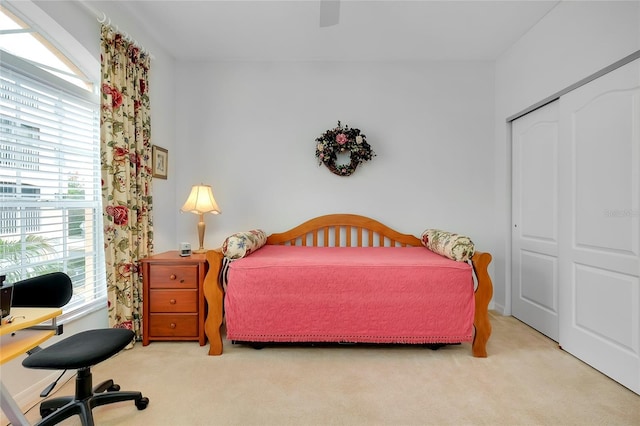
<point>534,297</point>
<point>604,185</point>
<point>606,289</point>
<point>537,268</point>
<point>599,232</point>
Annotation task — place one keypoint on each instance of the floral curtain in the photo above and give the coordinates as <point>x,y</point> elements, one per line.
<point>125,154</point>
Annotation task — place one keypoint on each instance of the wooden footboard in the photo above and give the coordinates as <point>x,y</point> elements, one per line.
<point>346,230</point>
<point>214,295</point>
<point>484,293</point>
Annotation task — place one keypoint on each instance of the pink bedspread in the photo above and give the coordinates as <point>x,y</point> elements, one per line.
<point>349,294</point>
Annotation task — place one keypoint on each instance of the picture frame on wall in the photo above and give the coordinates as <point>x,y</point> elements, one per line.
<point>160,162</point>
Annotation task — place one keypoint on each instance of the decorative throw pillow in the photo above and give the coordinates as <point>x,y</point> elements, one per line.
<point>242,244</point>
<point>454,246</point>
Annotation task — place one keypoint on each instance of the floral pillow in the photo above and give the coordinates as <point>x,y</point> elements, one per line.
<point>454,246</point>
<point>242,244</point>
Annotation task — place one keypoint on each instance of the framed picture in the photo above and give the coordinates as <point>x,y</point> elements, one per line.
<point>160,161</point>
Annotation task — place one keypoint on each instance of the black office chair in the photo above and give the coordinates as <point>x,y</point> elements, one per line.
<point>80,352</point>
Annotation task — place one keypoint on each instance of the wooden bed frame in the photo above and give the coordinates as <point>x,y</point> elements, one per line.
<point>346,230</point>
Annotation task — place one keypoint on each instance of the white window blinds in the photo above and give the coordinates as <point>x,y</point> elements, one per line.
<point>50,215</point>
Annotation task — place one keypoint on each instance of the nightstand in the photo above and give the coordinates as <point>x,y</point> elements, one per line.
<point>173,304</point>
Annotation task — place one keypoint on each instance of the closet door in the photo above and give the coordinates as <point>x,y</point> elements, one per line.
<point>534,295</point>
<point>600,224</point>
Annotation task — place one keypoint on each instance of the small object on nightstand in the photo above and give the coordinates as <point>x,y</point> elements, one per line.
<point>185,249</point>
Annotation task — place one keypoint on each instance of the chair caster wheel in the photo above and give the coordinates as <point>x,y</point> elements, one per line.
<point>142,403</point>
<point>113,388</point>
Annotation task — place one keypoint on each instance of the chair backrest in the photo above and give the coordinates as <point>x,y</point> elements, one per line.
<point>52,290</point>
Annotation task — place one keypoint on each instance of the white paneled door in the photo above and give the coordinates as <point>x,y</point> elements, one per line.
<point>599,224</point>
<point>534,296</point>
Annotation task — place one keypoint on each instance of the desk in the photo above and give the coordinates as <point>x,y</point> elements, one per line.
<point>16,341</point>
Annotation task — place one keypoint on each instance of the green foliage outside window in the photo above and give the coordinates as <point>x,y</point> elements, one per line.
<point>12,253</point>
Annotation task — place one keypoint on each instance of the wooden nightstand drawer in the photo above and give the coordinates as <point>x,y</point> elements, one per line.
<point>174,300</point>
<point>173,276</point>
<point>173,325</point>
<point>174,304</point>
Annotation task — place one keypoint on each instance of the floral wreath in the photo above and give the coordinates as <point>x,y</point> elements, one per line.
<point>342,140</point>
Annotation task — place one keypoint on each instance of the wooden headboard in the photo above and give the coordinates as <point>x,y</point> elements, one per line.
<point>346,230</point>
<point>343,230</point>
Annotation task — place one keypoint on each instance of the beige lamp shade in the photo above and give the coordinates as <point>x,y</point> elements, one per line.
<point>201,201</point>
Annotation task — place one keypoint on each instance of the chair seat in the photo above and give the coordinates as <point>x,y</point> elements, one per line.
<point>81,350</point>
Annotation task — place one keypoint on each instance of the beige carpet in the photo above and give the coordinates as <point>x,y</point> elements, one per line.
<point>526,380</point>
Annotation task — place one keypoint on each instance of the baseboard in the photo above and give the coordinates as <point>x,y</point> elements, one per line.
<point>498,308</point>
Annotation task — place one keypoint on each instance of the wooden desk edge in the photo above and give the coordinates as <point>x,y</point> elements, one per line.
<point>32,316</point>
<point>23,341</point>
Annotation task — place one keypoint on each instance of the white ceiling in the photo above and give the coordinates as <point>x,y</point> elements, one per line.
<point>373,30</point>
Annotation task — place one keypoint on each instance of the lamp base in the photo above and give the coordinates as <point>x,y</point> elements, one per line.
<point>201,228</point>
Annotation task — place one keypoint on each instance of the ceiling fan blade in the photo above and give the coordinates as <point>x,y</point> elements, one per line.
<point>329,12</point>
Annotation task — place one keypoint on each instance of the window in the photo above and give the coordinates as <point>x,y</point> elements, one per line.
<point>25,41</point>
<point>50,201</point>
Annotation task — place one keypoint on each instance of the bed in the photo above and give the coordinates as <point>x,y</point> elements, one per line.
<point>384,287</point>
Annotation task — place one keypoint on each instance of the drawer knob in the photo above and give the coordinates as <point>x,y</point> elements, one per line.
<point>172,277</point>
<point>172,325</point>
<point>172,301</point>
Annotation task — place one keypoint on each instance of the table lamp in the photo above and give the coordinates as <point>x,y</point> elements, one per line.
<point>201,201</point>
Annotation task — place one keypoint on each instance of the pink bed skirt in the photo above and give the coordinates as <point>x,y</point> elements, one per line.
<point>349,294</point>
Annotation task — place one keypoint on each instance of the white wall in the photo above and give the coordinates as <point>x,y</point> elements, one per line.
<point>249,129</point>
<point>576,39</point>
